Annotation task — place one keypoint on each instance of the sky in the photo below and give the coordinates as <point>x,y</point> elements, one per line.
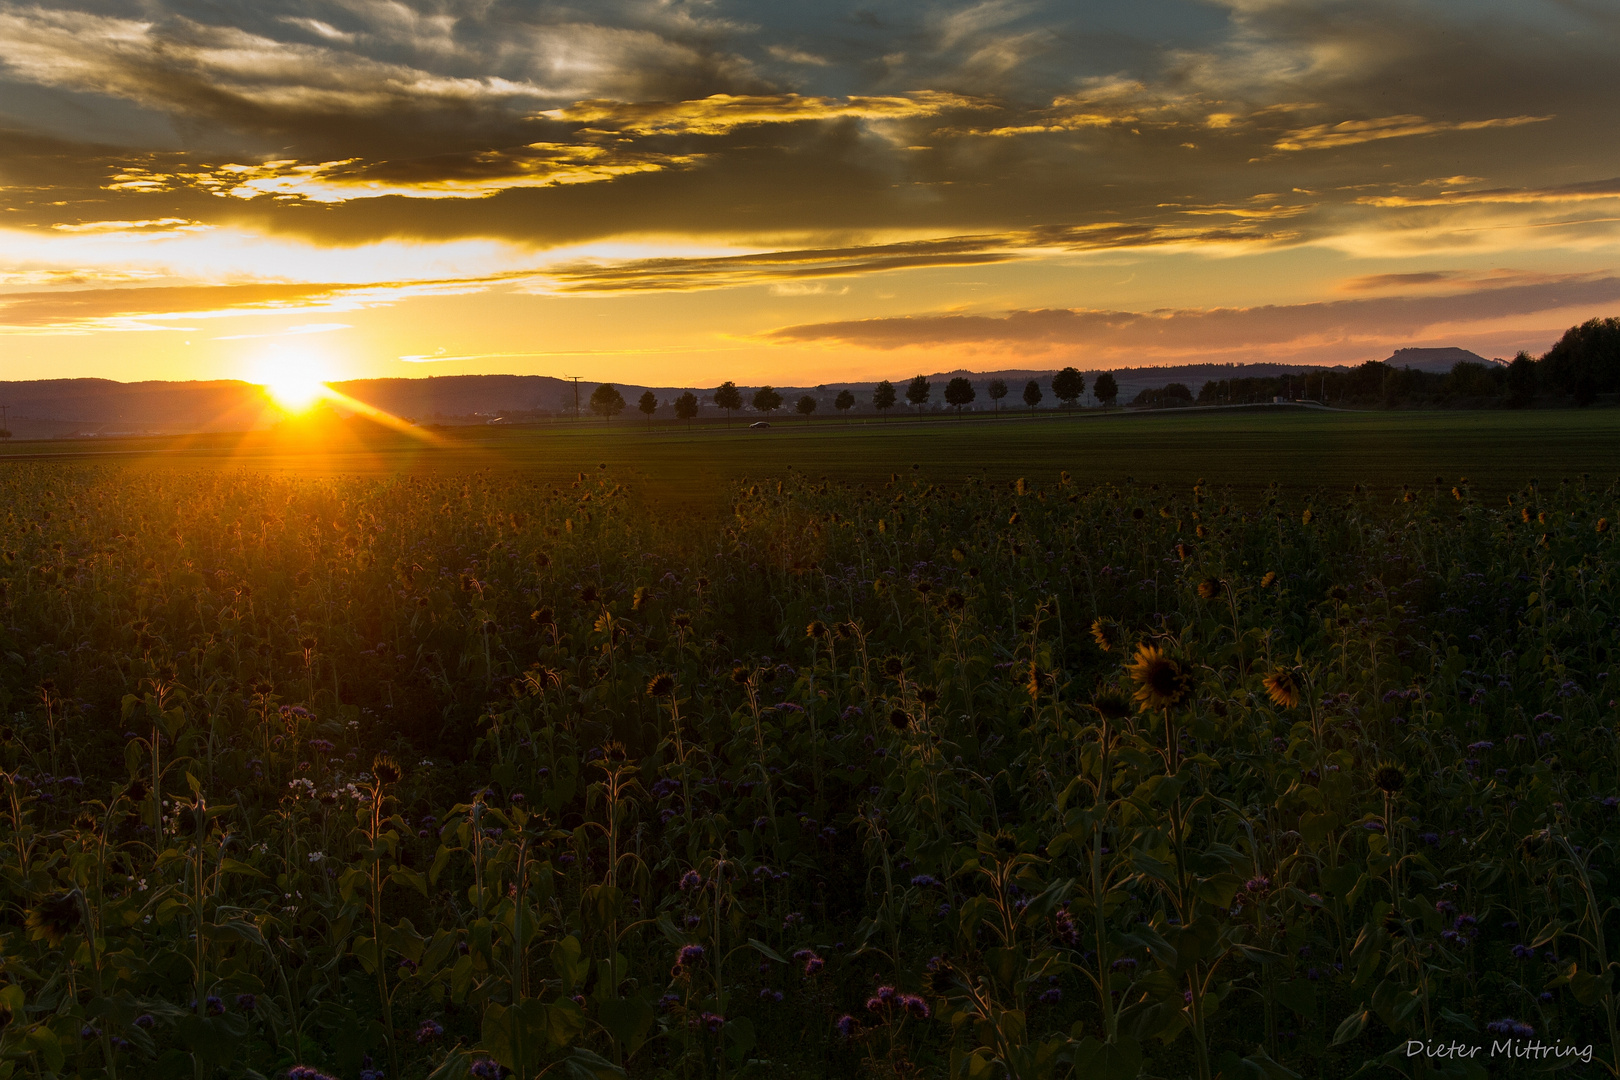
<point>679,192</point>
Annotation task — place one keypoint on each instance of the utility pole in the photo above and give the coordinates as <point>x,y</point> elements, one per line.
<point>576,379</point>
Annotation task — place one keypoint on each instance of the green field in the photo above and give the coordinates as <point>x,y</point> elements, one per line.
<point>608,752</point>
<point>1243,448</point>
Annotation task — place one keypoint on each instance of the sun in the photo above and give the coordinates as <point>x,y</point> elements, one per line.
<point>293,380</point>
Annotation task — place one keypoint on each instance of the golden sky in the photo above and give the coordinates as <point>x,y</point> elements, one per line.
<point>676,193</point>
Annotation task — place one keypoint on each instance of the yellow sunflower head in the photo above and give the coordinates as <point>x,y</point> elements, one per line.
<point>1161,680</point>
<point>1107,634</point>
<point>1283,688</point>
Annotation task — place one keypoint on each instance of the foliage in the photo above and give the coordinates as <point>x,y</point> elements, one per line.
<point>1032,394</point>
<point>959,392</point>
<point>844,401</point>
<point>1170,396</point>
<point>918,391</point>
<point>1068,385</point>
<point>686,406</point>
<point>462,774</point>
<point>1105,388</point>
<point>606,401</point>
<point>883,397</point>
<point>729,398</point>
<point>766,400</point>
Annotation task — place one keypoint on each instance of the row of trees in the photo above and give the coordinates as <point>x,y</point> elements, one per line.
<point>1067,385</point>
<point>1582,368</point>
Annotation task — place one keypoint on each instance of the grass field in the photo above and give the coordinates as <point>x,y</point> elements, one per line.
<point>1243,448</point>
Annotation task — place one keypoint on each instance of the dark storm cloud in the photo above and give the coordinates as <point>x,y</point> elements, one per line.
<point>351,120</point>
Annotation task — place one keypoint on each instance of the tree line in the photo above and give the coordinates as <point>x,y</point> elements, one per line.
<point>1582,368</point>
<point>1067,386</point>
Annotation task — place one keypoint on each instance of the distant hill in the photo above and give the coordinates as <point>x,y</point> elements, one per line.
<point>1436,361</point>
<point>55,408</point>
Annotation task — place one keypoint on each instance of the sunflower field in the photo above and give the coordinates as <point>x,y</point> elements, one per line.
<point>494,775</point>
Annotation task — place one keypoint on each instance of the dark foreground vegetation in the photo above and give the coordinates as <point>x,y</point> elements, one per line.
<point>459,776</point>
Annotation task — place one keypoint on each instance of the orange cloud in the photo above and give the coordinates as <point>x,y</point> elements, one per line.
<point>721,113</point>
<point>1352,132</point>
<point>1211,331</point>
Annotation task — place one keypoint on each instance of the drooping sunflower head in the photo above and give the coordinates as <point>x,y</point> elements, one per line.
<point>1390,779</point>
<point>55,917</point>
<point>1282,686</point>
<point>1161,680</point>
<point>816,631</point>
<point>893,666</point>
<point>661,685</point>
<point>385,769</point>
<point>1209,588</point>
<point>1112,705</point>
<point>1108,634</point>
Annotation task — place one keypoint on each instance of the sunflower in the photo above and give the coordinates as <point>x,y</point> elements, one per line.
<point>1107,634</point>
<point>1390,779</point>
<point>1036,678</point>
<point>55,917</point>
<point>1112,705</point>
<point>385,769</point>
<point>1161,681</point>
<point>1265,582</point>
<point>1209,588</point>
<point>661,685</point>
<point>1283,688</point>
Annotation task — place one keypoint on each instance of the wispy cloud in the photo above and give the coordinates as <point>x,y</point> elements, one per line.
<point>1354,132</point>
<point>1215,332</point>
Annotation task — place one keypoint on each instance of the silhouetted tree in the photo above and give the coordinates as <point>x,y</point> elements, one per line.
<point>806,406</point>
<point>883,396</point>
<point>686,406</point>
<point>918,392</point>
<point>1170,396</point>
<point>767,400</point>
<point>959,392</point>
<point>648,404</point>
<point>1585,362</point>
<point>1032,394</point>
<point>1105,388</point>
<point>1521,381</point>
<point>606,401</point>
<point>997,390</point>
<point>1067,386</point>
<point>844,401</point>
<point>729,398</point>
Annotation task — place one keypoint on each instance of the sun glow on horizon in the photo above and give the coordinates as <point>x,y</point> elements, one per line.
<point>295,380</point>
